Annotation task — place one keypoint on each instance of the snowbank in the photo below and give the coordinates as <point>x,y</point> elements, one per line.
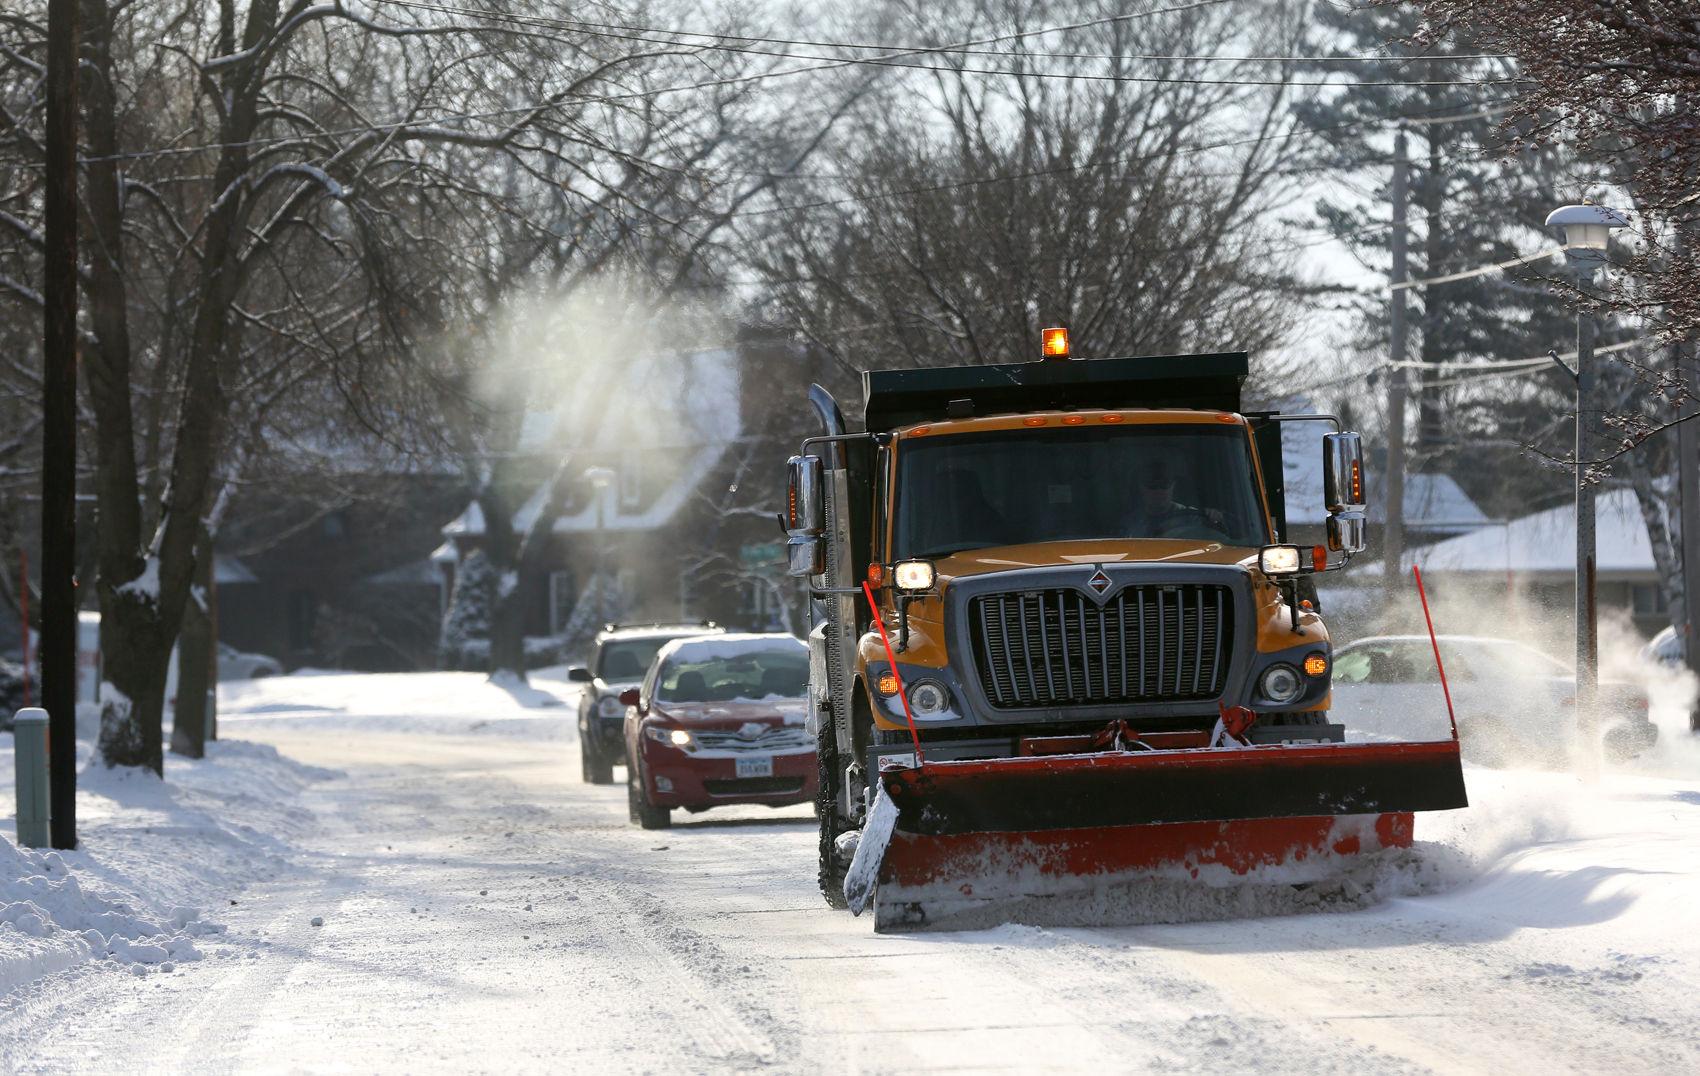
<point>155,858</point>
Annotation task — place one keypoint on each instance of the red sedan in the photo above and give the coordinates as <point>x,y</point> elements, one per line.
<point>719,720</point>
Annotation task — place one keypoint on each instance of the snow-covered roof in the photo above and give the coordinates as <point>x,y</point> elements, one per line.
<point>1433,502</point>
<point>685,404</point>
<point>227,570</point>
<point>416,572</point>
<point>1546,542</point>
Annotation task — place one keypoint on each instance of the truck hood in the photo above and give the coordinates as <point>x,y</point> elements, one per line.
<point>1105,551</point>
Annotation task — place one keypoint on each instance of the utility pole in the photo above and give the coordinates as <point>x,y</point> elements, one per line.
<point>59,425</point>
<point>1688,484</point>
<point>1587,234</point>
<point>1393,529</point>
<point>1587,622</point>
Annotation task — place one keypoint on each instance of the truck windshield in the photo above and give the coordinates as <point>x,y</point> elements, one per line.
<point>1010,487</point>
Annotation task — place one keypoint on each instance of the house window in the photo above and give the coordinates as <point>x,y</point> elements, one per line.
<point>563,596</point>
<point>1648,599</point>
<point>631,480</point>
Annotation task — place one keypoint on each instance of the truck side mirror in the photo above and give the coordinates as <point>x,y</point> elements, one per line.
<point>1343,490</point>
<point>629,697</point>
<point>805,517</point>
<point>578,674</point>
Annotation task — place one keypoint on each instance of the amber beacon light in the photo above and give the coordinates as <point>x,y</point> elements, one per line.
<point>1055,343</point>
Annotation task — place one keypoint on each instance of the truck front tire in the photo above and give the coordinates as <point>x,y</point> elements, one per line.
<point>833,865</point>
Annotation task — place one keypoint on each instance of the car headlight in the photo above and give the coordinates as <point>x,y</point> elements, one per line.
<point>1280,683</point>
<point>610,706</point>
<point>680,738</point>
<point>928,697</point>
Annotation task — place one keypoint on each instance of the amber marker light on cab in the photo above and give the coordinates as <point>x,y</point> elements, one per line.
<point>1316,664</point>
<point>887,684</point>
<point>1054,343</point>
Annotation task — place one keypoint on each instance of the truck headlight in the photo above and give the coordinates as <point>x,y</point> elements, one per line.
<point>1280,683</point>
<point>610,706</point>
<point>1279,559</point>
<point>912,575</point>
<point>929,697</point>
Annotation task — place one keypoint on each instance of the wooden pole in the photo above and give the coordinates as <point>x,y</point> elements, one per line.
<point>59,423</point>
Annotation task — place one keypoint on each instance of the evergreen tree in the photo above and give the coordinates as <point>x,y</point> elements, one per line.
<point>1474,200</point>
<point>465,641</point>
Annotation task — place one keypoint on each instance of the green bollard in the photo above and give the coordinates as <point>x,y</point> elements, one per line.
<point>29,742</point>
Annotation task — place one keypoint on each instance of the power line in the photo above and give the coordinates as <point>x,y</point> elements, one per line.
<point>896,57</point>
<point>661,34</point>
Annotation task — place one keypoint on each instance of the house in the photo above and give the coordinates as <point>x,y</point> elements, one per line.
<point>1435,505</point>
<point>1532,561</point>
<point>668,458</point>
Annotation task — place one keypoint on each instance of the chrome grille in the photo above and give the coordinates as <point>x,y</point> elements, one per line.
<point>779,738</point>
<point>1153,643</point>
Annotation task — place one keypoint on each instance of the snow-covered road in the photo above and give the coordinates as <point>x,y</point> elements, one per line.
<point>482,910</point>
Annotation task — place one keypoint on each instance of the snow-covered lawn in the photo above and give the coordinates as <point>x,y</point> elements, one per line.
<point>404,873</point>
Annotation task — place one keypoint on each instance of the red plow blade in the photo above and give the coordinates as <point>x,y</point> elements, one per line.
<point>989,832</point>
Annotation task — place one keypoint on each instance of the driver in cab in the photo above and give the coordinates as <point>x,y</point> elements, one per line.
<point>1158,515</point>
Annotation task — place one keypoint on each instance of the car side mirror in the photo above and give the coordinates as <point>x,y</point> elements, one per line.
<point>629,697</point>
<point>578,674</point>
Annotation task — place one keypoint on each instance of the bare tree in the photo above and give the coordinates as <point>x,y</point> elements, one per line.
<point>280,199</point>
<point>1619,79</point>
<point>1114,179</point>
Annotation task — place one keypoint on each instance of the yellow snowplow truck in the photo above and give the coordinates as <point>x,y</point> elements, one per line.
<point>1061,641</point>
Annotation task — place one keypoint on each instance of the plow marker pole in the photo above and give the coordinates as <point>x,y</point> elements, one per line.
<point>895,675</point>
<point>1453,717</point>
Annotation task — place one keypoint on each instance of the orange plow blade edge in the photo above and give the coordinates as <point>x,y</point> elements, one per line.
<point>975,836</point>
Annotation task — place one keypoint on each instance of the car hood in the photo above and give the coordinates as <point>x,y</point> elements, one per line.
<point>733,714</point>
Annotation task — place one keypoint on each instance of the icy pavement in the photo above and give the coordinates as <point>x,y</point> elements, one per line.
<point>404,873</point>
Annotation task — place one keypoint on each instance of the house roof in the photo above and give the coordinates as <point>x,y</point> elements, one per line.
<point>1546,542</point>
<point>681,407</point>
<point>228,571</point>
<point>1433,502</point>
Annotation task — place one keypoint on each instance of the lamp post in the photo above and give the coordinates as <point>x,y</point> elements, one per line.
<point>600,479</point>
<point>1587,231</point>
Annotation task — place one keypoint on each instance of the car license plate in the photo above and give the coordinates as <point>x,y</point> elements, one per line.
<point>755,767</point>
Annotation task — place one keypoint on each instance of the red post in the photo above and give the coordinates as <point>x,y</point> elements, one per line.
<point>1436,644</point>
<point>895,675</point>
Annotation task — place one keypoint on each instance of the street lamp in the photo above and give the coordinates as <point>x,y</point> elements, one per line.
<point>1587,230</point>
<point>600,479</point>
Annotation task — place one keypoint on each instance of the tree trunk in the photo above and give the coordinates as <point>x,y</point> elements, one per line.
<point>518,561</point>
<point>1661,533</point>
<point>196,670</point>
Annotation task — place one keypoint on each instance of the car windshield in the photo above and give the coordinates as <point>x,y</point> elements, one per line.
<point>1515,659</point>
<point>1009,487</point>
<point>628,659</point>
<point>754,675</point>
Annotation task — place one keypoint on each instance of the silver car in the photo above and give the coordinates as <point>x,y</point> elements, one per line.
<point>1514,703</point>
